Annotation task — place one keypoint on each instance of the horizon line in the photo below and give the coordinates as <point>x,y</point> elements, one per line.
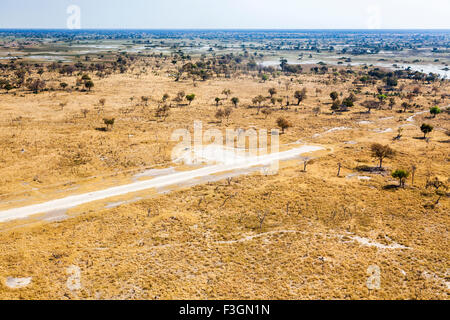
<point>224,29</point>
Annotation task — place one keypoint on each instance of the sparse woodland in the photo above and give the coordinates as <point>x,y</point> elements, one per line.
<point>299,234</point>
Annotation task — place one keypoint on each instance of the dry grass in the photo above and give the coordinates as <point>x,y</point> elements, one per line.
<point>178,248</point>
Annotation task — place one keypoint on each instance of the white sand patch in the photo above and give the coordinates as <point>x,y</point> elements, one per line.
<point>158,182</point>
<point>337,129</point>
<point>17,283</point>
<point>406,125</point>
<point>371,243</point>
<point>74,280</point>
<point>365,122</point>
<point>411,118</point>
<point>119,203</point>
<point>355,175</point>
<point>54,216</point>
<point>153,173</point>
<point>361,240</point>
<point>210,154</point>
<point>383,130</point>
<point>331,130</point>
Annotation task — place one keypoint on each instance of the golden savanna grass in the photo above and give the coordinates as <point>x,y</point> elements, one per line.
<point>206,241</point>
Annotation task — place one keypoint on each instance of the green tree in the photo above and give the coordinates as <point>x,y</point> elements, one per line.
<point>391,81</point>
<point>89,84</point>
<point>235,101</point>
<point>426,129</point>
<point>435,111</point>
<point>347,103</point>
<point>401,175</point>
<point>190,98</point>
<point>334,95</point>
<point>109,122</point>
<point>382,98</point>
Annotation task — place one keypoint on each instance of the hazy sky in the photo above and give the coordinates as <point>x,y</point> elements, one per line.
<point>267,14</point>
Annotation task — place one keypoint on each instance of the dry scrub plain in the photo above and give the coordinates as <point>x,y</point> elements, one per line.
<point>320,235</point>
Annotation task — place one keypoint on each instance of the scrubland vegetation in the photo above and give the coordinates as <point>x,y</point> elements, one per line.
<point>376,195</point>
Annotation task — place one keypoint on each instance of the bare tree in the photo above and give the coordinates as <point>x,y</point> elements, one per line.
<point>306,162</point>
<point>36,85</point>
<point>84,112</point>
<point>227,112</point>
<point>261,217</point>
<point>283,124</point>
<point>440,189</point>
<point>300,95</point>
<point>316,111</point>
<point>266,112</point>
<point>162,112</point>
<point>381,152</point>
<point>272,92</point>
<point>219,115</point>
<point>144,100</point>
<point>413,172</point>
<point>226,92</point>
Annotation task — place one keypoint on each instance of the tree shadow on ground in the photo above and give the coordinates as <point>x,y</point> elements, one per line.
<point>391,187</point>
<point>365,168</point>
